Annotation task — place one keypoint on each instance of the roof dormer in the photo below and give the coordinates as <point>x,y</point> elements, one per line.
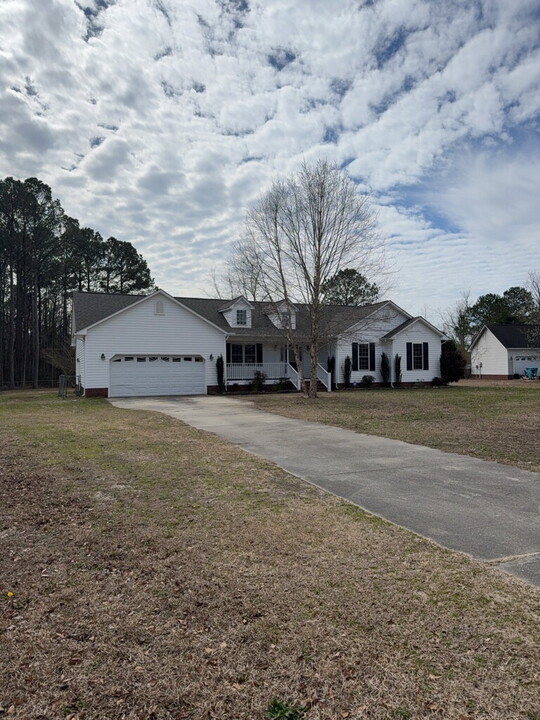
<point>238,312</point>
<point>283,315</point>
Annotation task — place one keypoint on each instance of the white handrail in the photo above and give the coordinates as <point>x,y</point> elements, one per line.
<point>293,376</point>
<point>325,377</point>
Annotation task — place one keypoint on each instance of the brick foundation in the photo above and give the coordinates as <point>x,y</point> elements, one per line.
<point>96,392</point>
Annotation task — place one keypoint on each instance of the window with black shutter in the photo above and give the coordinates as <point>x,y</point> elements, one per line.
<point>426,355</point>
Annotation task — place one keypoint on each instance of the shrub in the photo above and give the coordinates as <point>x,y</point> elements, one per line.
<point>437,382</point>
<point>452,363</point>
<point>330,367</point>
<point>385,369</point>
<point>347,369</point>
<point>259,379</point>
<point>367,380</point>
<point>397,370</point>
<point>220,372</point>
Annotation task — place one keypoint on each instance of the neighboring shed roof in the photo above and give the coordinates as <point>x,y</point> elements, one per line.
<point>517,336</point>
<point>89,308</point>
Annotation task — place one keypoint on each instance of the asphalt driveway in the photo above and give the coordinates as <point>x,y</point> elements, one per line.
<point>488,510</point>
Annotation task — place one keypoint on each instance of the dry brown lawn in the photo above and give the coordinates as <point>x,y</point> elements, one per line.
<point>494,421</point>
<point>160,573</point>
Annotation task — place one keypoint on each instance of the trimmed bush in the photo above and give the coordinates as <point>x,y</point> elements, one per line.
<point>385,369</point>
<point>220,372</point>
<point>330,367</point>
<point>398,377</point>
<point>347,370</point>
<point>259,379</point>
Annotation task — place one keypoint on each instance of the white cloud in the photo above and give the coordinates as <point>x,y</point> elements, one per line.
<point>161,122</point>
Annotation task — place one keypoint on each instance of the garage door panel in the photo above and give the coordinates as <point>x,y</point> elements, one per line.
<point>521,362</point>
<point>158,376</point>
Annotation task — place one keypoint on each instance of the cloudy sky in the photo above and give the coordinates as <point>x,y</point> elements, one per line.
<point>160,121</point>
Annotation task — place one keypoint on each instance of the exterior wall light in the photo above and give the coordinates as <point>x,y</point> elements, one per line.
<point>103,356</point>
<point>211,356</point>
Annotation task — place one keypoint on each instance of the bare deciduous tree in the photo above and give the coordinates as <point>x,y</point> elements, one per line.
<point>302,232</point>
<point>533,285</point>
<point>242,273</point>
<point>457,323</point>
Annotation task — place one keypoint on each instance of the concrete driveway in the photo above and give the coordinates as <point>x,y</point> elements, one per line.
<point>488,510</point>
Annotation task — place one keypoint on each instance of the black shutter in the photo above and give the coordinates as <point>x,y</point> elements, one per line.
<point>372,357</point>
<point>409,356</point>
<point>228,352</point>
<point>426,356</point>
<point>259,353</point>
<point>355,356</point>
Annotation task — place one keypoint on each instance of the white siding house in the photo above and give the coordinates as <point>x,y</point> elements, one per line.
<point>161,345</point>
<point>156,331</point>
<point>502,351</point>
<point>392,331</point>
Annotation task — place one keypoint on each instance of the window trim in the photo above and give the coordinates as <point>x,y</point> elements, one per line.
<point>363,359</point>
<point>417,356</point>
<point>241,313</point>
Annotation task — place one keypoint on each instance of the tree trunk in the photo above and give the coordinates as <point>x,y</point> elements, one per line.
<point>11,329</point>
<point>315,310</point>
<point>35,335</point>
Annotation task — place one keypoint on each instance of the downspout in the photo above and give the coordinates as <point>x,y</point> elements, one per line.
<point>225,368</point>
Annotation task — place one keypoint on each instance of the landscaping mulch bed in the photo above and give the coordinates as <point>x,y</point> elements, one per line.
<point>150,571</point>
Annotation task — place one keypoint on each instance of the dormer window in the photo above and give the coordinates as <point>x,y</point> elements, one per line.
<point>285,319</point>
<point>241,317</point>
<point>159,308</point>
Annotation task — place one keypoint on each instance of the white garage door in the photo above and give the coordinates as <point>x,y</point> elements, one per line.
<point>526,361</point>
<point>140,375</point>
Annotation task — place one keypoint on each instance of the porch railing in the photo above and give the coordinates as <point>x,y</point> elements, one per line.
<point>324,377</point>
<point>293,376</point>
<point>246,371</point>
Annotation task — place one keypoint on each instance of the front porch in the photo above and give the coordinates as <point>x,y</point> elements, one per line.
<point>275,362</point>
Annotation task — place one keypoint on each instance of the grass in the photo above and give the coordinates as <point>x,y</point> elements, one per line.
<point>500,422</point>
<point>160,573</point>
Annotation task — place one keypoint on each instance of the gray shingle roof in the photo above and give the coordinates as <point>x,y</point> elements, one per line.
<point>517,336</point>
<point>89,308</point>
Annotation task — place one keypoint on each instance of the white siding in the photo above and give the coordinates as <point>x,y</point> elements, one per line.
<point>491,353</point>
<point>367,331</point>
<point>139,330</point>
<point>230,315</point>
<point>418,333</point>
<point>79,359</point>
